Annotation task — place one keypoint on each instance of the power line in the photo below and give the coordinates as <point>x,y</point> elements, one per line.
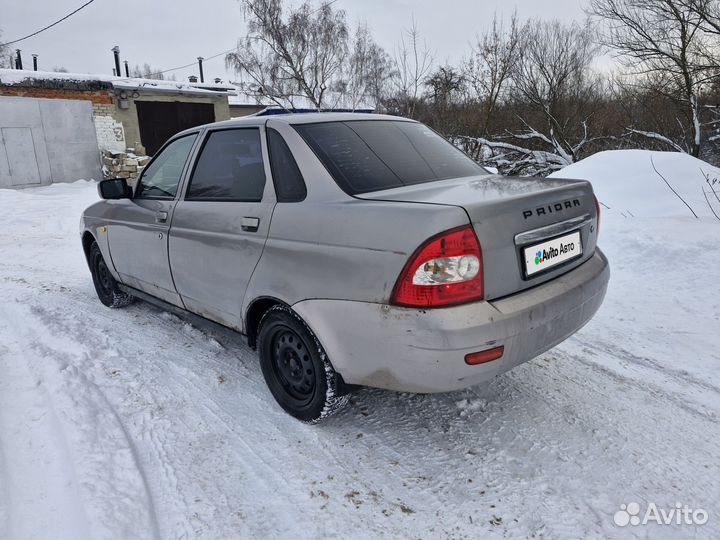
<point>49,25</point>
<point>195,62</point>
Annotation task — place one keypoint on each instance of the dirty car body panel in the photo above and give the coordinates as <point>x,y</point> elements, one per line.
<point>336,255</point>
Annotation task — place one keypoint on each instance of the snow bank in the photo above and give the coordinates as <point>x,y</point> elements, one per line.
<point>627,183</point>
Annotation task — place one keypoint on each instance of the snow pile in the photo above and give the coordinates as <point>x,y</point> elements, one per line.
<point>644,183</point>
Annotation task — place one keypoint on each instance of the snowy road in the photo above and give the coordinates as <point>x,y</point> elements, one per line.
<point>132,423</point>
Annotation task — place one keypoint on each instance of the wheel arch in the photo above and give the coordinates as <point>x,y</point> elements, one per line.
<point>254,314</point>
<point>87,242</point>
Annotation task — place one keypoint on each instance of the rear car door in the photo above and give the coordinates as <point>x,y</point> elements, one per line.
<point>138,228</point>
<point>220,227</point>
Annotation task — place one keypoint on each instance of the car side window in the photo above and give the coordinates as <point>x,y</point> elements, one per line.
<point>289,183</point>
<point>161,177</point>
<point>230,167</point>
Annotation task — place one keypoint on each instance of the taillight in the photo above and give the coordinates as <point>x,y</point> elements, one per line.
<point>597,226</point>
<point>445,270</point>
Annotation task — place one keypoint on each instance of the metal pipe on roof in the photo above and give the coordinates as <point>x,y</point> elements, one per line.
<point>127,69</point>
<point>35,57</point>
<point>202,76</point>
<point>116,54</point>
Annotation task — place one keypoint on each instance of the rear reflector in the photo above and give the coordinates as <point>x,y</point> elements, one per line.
<point>481,357</point>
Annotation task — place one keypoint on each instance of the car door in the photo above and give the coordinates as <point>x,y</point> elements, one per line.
<point>138,228</point>
<point>220,226</point>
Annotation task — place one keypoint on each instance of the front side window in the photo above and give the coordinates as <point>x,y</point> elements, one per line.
<point>161,178</point>
<point>372,155</point>
<point>230,167</point>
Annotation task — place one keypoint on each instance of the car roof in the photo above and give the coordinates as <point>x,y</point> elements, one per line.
<point>294,118</point>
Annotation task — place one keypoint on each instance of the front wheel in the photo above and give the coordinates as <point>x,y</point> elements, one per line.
<point>105,285</point>
<point>296,368</point>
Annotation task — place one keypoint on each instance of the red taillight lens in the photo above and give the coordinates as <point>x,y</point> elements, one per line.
<point>597,227</point>
<point>446,270</point>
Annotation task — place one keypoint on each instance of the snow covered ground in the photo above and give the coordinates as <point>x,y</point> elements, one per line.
<point>134,424</point>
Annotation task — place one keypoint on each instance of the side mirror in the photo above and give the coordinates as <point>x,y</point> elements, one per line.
<point>115,188</point>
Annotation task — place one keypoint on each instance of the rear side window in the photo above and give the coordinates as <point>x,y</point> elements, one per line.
<point>230,167</point>
<point>289,183</point>
<point>371,155</point>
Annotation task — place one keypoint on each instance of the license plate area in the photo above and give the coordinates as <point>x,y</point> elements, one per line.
<point>541,257</point>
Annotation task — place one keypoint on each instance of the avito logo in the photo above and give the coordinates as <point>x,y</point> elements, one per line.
<point>543,255</point>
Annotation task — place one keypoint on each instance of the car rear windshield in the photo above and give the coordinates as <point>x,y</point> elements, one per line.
<point>372,155</point>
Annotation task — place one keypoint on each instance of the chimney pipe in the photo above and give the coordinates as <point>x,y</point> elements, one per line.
<point>127,69</point>
<point>202,77</point>
<point>116,54</point>
<point>18,59</point>
<point>35,57</point>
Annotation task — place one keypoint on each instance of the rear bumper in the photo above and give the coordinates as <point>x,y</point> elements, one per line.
<point>413,350</point>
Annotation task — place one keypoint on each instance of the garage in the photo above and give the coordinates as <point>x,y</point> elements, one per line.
<point>46,140</point>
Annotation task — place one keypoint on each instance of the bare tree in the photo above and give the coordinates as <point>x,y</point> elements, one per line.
<point>444,84</point>
<point>147,72</point>
<point>368,71</point>
<point>298,55</point>
<point>5,55</point>
<point>413,62</point>
<point>554,96</point>
<point>665,42</point>
<point>489,67</point>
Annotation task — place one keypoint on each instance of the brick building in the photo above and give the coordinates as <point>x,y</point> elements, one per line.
<point>58,127</point>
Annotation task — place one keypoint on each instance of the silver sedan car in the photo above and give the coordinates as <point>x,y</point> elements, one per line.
<point>351,250</point>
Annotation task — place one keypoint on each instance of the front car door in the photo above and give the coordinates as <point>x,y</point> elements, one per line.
<point>138,227</point>
<point>220,227</point>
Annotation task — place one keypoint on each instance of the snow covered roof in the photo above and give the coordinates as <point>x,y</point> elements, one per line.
<point>94,81</point>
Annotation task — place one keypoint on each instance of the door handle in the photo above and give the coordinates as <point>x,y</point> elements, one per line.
<point>250,224</point>
<point>161,217</point>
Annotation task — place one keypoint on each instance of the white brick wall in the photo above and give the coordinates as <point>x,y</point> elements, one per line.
<point>110,133</point>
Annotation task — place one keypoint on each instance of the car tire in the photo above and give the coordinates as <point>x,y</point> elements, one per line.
<point>105,285</point>
<point>296,368</point>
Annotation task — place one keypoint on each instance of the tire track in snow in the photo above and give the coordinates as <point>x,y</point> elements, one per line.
<point>114,488</point>
<point>176,379</point>
<point>40,484</point>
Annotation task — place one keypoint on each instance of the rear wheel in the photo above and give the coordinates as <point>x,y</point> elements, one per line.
<point>296,368</point>
<point>105,285</point>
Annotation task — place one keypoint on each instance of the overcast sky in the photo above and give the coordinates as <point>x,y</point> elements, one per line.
<point>170,33</point>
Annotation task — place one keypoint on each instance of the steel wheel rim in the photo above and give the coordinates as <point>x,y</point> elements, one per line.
<point>292,366</point>
<point>103,276</point>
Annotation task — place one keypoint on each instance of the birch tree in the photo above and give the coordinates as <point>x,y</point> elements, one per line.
<point>286,56</point>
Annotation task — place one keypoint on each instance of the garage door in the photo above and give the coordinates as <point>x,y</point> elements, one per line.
<point>46,140</point>
<point>160,120</point>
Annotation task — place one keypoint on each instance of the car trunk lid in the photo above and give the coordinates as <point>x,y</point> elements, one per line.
<point>510,214</point>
